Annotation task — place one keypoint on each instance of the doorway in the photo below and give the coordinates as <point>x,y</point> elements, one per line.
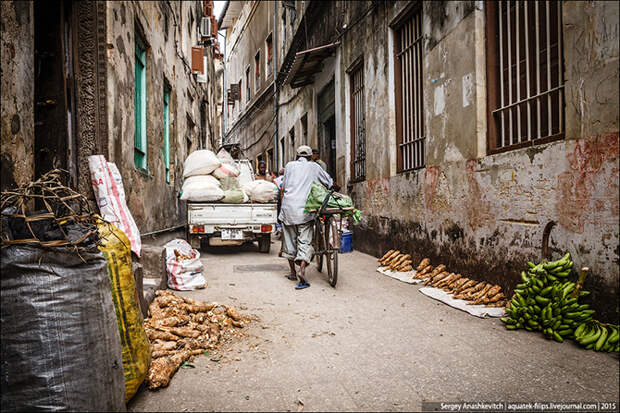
<point>54,89</point>
<point>326,123</point>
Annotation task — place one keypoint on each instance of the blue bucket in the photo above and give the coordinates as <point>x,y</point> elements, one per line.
<point>346,241</point>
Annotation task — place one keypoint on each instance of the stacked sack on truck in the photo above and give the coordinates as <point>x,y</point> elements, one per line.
<point>209,178</point>
<point>198,183</point>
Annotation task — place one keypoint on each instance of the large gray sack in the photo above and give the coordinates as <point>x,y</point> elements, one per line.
<point>60,344</point>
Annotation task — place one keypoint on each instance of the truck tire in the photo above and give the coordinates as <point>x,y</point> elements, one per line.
<point>194,241</point>
<point>264,244</point>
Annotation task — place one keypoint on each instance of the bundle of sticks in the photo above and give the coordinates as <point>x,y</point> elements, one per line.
<point>397,261</point>
<point>180,328</point>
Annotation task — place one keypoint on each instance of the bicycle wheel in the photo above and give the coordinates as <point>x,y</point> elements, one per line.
<point>318,245</point>
<point>331,255</point>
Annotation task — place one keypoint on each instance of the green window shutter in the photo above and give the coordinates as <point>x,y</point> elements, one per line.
<point>140,142</point>
<point>167,132</point>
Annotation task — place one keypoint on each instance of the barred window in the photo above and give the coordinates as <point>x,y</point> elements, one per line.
<point>358,123</point>
<point>525,72</point>
<point>409,94</point>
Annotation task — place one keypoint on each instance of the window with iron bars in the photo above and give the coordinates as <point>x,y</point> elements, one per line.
<point>358,123</point>
<point>525,73</point>
<point>408,81</point>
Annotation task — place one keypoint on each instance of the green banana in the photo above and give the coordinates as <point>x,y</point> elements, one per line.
<point>511,326</point>
<point>542,300</point>
<point>592,337</point>
<point>614,336</point>
<point>580,330</point>
<point>602,338</point>
<point>557,337</point>
<point>545,291</point>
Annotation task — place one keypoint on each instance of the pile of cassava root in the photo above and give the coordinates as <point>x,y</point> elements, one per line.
<point>464,288</point>
<point>180,328</point>
<point>397,261</point>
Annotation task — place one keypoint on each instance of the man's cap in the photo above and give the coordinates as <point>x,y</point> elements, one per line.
<point>304,150</point>
<point>315,151</point>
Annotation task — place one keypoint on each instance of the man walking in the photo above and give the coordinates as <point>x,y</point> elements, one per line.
<point>316,157</point>
<point>298,226</point>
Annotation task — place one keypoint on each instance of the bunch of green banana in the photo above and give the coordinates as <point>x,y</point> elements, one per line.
<point>545,301</point>
<point>598,336</point>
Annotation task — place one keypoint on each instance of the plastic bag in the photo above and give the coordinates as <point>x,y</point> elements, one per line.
<point>235,196</point>
<point>225,170</point>
<point>245,174</point>
<point>225,157</point>
<point>336,200</point>
<point>261,191</point>
<point>201,162</point>
<point>317,196</point>
<point>184,267</point>
<point>202,188</point>
<point>135,344</point>
<point>60,345</point>
<point>230,183</point>
<point>108,187</point>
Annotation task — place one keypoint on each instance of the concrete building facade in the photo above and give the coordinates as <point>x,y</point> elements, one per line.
<point>249,78</point>
<point>134,81</point>
<point>465,131</point>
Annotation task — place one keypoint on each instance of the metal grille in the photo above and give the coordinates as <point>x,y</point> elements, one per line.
<point>358,124</point>
<point>409,53</point>
<point>531,88</point>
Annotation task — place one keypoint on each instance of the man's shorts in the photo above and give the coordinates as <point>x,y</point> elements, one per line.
<point>298,242</point>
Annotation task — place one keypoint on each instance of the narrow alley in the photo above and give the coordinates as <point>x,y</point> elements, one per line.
<point>304,205</point>
<point>371,344</point>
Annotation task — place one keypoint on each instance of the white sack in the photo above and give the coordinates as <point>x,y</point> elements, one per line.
<point>183,274</point>
<point>202,188</point>
<point>108,187</point>
<point>201,162</point>
<point>203,180</point>
<point>245,174</point>
<point>225,157</point>
<point>225,170</point>
<point>261,191</point>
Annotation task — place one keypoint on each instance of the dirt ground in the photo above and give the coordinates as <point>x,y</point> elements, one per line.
<point>373,343</point>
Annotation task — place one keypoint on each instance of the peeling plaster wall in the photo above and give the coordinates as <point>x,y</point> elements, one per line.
<point>152,201</point>
<point>16,109</point>
<point>483,215</point>
<point>251,121</point>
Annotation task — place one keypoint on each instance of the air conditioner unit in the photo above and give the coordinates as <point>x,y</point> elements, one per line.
<point>205,27</point>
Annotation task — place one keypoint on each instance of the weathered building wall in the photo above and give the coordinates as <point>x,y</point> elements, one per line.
<point>16,108</point>
<point>251,120</point>
<point>483,215</point>
<point>170,29</point>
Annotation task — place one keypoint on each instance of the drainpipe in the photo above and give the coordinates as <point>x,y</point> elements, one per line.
<point>274,51</point>
<point>224,92</point>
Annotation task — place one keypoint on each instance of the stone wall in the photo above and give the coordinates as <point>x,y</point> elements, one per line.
<point>170,31</point>
<point>484,215</point>
<point>16,108</point>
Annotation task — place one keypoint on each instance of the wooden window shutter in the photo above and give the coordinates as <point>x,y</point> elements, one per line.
<point>197,59</point>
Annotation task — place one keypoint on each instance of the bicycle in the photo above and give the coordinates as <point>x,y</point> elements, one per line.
<point>327,239</point>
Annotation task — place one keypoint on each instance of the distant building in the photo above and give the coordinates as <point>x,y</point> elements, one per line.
<point>134,81</point>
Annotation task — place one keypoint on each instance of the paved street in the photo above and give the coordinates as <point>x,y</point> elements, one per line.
<point>373,343</point>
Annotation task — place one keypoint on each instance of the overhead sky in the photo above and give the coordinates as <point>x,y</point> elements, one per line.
<point>218,6</point>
